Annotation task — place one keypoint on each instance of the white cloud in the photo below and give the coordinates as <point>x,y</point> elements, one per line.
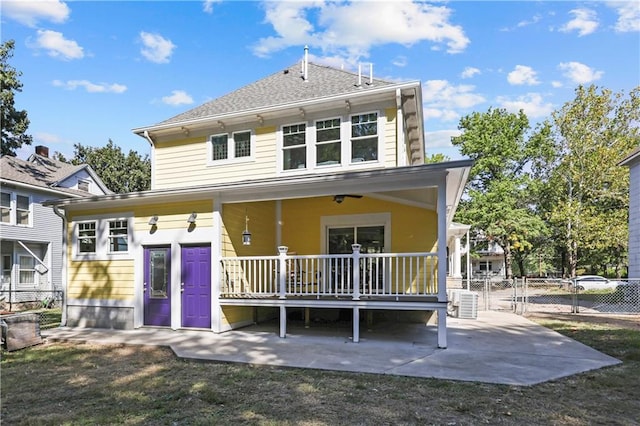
<point>532,104</point>
<point>440,93</point>
<point>30,12</point>
<point>400,61</point>
<point>207,5</point>
<point>522,74</point>
<point>628,15</point>
<point>178,97</point>
<point>469,72</point>
<point>579,73</point>
<point>57,46</point>
<point>556,84</point>
<point>156,48</point>
<point>352,29</point>
<point>91,87</point>
<point>440,138</point>
<point>584,21</point>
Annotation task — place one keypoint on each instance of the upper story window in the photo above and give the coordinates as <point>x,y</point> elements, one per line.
<point>328,147</point>
<point>364,137</point>
<point>5,207</point>
<point>118,236</point>
<point>87,237</point>
<point>294,146</point>
<point>83,185</point>
<point>15,209</point>
<point>238,145</point>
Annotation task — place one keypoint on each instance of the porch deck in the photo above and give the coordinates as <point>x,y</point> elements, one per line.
<point>380,281</point>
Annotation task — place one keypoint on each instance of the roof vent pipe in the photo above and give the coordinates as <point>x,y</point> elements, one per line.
<point>359,75</point>
<point>306,62</point>
<point>370,73</point>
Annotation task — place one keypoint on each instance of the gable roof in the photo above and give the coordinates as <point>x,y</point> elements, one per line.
<point>285,88</point>
<point>44,173</point>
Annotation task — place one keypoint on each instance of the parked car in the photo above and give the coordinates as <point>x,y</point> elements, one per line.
<point>593,282</point>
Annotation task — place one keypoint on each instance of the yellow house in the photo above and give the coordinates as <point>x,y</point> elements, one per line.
<point>305,191</point>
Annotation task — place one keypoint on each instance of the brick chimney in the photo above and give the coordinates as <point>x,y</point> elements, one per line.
<point>42,151</point>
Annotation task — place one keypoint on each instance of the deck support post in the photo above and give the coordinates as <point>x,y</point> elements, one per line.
<point>307,317</point>
<point>283,321</point>
<point>442,328</point>
<point>356,324</point>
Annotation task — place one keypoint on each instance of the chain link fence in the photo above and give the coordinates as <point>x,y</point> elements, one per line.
<point>522,295</point>
<point>47,304</point>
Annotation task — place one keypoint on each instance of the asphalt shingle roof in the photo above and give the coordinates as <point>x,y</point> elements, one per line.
<point>281,88</point>
<point>39,171</point>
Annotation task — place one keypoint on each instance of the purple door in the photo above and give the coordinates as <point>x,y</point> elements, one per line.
<point>157,286</point>
<point>196,287</point>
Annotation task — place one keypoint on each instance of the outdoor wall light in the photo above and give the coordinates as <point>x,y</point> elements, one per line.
<point>153,220</point>
<point>192,217</point>
<point>246,235</point>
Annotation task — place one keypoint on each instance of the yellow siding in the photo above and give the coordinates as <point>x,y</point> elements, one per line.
<point>184,162</point>
<point>390,138</point>
<point>262,225</point>
<point>412,229</point>
<point>236,314</point>
<point>173,216</point>
<point>107,279</point>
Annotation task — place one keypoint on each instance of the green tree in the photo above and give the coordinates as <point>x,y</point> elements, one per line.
<point>14,123</point>
<point>121,173</point>
<point>586,198</point>
<point>498,200</point>
<point>436,158</point>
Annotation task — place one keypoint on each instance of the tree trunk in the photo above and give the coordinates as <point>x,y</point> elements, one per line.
<point>507,261</point>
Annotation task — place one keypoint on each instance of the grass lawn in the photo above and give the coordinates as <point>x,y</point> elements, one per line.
<point>82,384</point>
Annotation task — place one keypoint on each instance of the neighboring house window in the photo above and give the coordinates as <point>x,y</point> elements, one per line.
<point>27,275</point>
<point>118,236</point>
<point>220,147</point>
<point>328,142</point>
<point>294,146</point>
<point>83,185</point>
<point>6,269</point>
<point>242,143</point>
<point>364,137</point>
<point>87,237</point>
<point>23,209</point>
<point>5,207</point>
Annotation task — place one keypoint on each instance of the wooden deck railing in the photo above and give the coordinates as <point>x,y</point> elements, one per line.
<point>330,275</point>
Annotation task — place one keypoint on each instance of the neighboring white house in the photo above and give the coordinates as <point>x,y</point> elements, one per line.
<point>633,162</point>
<point>489,260</point>
<point>32,235</point>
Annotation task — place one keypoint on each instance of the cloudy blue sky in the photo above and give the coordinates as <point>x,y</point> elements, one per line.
<point>94,70</point>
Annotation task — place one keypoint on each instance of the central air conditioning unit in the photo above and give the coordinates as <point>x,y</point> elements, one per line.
<point>463,304</point>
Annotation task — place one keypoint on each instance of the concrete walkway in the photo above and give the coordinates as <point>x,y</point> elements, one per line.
<point>497,347</point>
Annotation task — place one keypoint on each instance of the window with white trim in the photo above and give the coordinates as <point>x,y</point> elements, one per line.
<point>27,272</point>
<point>7,265</point>
<point>294,148</point>
<point>5,207</point>
<point>225,146</point>
<point>328,146</point>
<point>87,237</point>
<point>23,209</point>
<point>118,236</point>
<point>364,137</point>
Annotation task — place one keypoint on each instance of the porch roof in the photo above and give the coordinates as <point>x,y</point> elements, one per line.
<point>403,184</point>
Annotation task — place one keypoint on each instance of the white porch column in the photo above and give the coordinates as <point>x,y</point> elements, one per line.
<point>283,321</point>
<point>282,271</point>
<point>356,324</point>
<point>216,270</point>
<point>442,264</point>
<point>456,271</point>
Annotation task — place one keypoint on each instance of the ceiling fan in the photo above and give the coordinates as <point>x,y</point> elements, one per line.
<point>340,197</point>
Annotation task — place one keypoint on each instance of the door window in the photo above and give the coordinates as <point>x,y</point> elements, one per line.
<point>159,274</point>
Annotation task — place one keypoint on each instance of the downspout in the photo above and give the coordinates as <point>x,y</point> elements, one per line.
<point>147,136</point>
<point>65,272</point>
